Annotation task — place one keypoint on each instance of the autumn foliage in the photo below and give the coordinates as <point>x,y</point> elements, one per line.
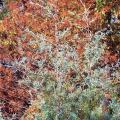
<point>36,31</point>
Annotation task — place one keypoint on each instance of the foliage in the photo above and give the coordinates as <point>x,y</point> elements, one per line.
<point>59,60</point>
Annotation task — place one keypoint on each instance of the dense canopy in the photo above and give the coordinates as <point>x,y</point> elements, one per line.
<point>59,60</point>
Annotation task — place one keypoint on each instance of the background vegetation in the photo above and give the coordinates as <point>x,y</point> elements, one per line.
<point>60,60</point>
